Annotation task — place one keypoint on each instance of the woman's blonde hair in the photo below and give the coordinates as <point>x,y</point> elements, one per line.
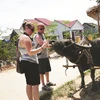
<point>28,24</point>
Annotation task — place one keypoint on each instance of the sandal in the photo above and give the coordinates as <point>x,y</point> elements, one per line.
<point>50,84</point>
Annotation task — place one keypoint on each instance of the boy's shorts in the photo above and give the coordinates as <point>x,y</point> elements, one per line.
<point>44,65</point>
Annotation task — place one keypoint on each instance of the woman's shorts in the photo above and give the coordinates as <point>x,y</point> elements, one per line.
<point>31,72</point>
<point>44,65</point>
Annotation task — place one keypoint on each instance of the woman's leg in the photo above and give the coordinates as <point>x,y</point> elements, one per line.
<point>35,91</point>
<point>29,92</point>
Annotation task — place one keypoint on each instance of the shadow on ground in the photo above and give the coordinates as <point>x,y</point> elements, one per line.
<point>87,93</point>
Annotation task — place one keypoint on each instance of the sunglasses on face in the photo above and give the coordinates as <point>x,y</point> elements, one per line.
<point>32,29</point>
<point>42,28</point>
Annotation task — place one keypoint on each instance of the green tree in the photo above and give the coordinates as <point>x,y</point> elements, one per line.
<point>51,28</point>
<point>98,1</point>
<point>66,21</point>
<point>8,49</point>
<point>49,32</point>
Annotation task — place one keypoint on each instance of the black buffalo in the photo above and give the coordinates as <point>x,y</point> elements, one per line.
<point>84,57</point>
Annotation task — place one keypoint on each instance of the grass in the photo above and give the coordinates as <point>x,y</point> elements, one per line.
<point>67,89</point>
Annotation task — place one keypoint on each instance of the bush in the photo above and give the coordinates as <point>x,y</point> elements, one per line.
<point>95,35</point>
<point>66,35</point>
<point>51,37</point>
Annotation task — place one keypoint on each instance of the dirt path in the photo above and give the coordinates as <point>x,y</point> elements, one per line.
<point>12,84</point>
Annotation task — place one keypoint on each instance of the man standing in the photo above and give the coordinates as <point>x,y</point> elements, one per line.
<point>44,64</point>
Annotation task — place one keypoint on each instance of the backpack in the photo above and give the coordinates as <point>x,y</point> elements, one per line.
<point>19,67</point>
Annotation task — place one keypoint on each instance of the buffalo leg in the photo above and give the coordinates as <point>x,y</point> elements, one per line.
<point>82,78</point>
<point>93,80</point>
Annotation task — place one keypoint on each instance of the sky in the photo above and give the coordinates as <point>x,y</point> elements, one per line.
<point>13,12</point>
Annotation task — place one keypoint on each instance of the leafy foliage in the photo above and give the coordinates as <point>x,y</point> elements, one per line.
<point>98,1</point>
<point>66,35</point>
<point>8,49</point>
<point>49,32</point>
<point>51,28</point>
<point>94,35</point>
<point>66,21</point>
<point>50,36</point>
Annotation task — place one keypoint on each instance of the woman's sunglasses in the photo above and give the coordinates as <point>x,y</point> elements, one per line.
<point>32,29</point>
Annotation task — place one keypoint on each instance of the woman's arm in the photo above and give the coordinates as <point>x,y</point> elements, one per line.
<point>28,46</point>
